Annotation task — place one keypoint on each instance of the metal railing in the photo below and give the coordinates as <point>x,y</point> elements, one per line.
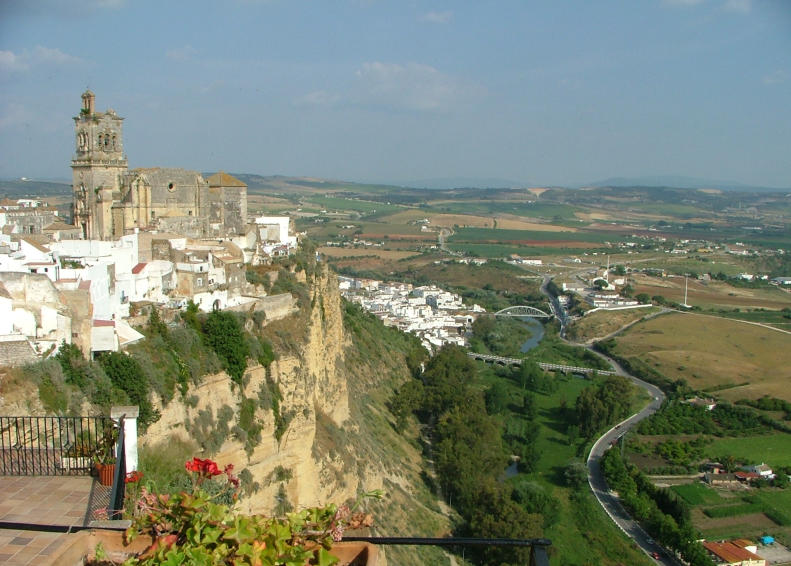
<point>116,507</point>
<point>50,446</point>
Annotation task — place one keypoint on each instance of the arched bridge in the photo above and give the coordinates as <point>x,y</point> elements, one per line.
<point>523,311</point>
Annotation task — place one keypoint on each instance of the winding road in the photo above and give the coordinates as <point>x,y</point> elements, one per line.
<point>610,502</point>
<point>598,485</point>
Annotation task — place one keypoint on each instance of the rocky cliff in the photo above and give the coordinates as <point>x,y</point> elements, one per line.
<point>315,394</point>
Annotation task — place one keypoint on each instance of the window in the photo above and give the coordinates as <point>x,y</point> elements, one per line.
<point>199,282</point>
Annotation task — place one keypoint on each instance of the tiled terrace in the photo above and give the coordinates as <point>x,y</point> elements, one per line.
<point>40,500</point>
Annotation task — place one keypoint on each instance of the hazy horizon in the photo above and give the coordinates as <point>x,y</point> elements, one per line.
<point>538,93</point>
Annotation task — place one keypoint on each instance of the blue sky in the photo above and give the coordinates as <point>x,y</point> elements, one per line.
<point>536,92</point>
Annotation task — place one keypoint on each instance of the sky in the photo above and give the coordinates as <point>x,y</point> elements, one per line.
<point>541,93</point>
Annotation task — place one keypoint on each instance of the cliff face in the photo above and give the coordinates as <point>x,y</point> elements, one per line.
<point>315,393</point>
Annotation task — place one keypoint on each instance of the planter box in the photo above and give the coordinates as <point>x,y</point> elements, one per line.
<point>80,547</point>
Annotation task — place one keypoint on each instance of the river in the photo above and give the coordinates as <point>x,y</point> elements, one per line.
<point>536,329</point>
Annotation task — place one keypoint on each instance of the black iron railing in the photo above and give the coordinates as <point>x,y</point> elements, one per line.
<point>116,507</point>
<point>50,446</point>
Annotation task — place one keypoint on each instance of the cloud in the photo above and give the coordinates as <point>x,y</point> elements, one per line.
<point>739,6</point>
<point>412,86</point>
<point>318,98</point>
<point>181,53</point>
<point>10,61</point>
<point>437,17</point>
<point>14,115</point>
<point>39,55</point>
<point>777,77</point>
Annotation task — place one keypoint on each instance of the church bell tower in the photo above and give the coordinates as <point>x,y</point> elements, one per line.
<point>98,167</point>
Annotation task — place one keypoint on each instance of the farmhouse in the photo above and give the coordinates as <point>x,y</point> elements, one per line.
<point>734,553</point>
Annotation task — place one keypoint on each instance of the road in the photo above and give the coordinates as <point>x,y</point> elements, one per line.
<point>612,506</point>
<point>598,485</point>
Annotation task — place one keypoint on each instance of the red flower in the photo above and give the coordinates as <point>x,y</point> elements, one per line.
<point>133,477</point>
<point>205,467</point>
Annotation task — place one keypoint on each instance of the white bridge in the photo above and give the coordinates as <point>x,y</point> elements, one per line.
<point>545,366</point>
<point>523,311</point>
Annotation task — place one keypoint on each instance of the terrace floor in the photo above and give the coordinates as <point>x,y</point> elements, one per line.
<point>44,500</point>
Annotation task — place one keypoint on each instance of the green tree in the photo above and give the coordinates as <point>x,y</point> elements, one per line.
<point>125,374</point>
<point>225,336</point>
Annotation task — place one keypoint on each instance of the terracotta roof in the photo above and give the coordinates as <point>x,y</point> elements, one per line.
<point>138,268</point>
<point>36,245</point>
<point>729,552</point>
<point>85,284</point>
<point>57,225</point>
<point>103,323</point>
<point>223,179</point>
<point>746,475</point>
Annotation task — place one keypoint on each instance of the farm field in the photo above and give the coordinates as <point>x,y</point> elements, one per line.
<point>733,354</point>
<point>738,513</point>
<point>528,236</point>
<point>354,205</point>
<point>598,324</point>
<point>773,449</point>
<point>698,494</point>
<point>711,294</point>
<point>529,209</point>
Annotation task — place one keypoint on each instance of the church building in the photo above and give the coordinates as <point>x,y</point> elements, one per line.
<point>111,201</point>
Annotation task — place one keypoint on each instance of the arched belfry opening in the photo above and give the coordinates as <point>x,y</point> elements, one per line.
<point>88,101</point>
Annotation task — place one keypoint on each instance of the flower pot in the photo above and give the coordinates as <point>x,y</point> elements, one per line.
<point>80,548</point>
<point>355,553</point>
<point>106,473</point>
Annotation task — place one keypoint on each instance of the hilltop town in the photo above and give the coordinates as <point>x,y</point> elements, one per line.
<point>151,236</point>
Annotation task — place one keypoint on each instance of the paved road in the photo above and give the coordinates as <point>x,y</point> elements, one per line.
<point>598,485</point>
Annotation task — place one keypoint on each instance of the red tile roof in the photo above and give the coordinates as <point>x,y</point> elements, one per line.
<point>138,268</point>
<point>97,322</point>
<point>729,552</point>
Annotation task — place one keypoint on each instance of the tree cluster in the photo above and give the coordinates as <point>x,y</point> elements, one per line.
<point>468,451</point>
<point>604,405</point>
<point>663,515</point>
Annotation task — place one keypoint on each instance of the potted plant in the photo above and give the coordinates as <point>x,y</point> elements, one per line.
<point>104,455</point>
<point>199,526</point>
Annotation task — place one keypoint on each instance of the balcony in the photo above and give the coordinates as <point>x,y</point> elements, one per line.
<point>47,493</point>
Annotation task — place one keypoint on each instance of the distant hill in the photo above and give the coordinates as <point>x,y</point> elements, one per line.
<point>18,188</point>
<point>465,183</point>
<point>679,182</point>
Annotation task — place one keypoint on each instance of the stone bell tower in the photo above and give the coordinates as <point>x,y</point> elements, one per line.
<point>97,167</point>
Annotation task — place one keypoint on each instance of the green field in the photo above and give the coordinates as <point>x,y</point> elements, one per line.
<point>354,205</point>
<point>773,449</point>
<point>527,209</point>
<point>498,250</point>
<point>698,494</point>
<point>498,235</point>
<point>583,533</point>
<point>682,211</point>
